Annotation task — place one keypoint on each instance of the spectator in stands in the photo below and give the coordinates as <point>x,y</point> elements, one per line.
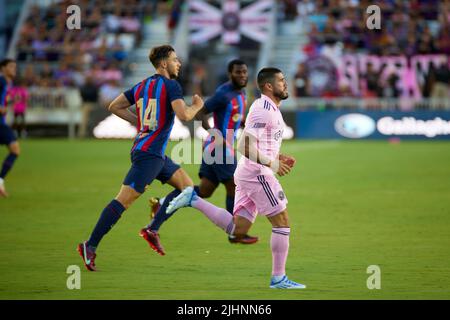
<point>153,8</point>
<point>128,22</point>
<point>426,43</point>
<point>290,9</point>
<point>29,76</point>
<point>117,48</point>
<point>108,91</point>
<point>372,82</point>
<point>390,90</point>
<point>78,76</point>
<point>441,86</point>
<point>174,18</point>
<point>63,75</point>
<point>301,82</point>
<point>19,97</point>
<point>443,40</point>
<point>40,45</point>
<point>89,95</point>
<point>93,20</point>
<point>111,72</point>
<point>46,74</point>
<point>198,80</point>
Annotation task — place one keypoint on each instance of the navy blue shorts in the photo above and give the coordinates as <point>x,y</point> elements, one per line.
<point>7,135</point>
<point>217,173</point>
<point>147,167</point>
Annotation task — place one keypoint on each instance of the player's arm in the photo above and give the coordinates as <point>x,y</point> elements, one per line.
<point>247,145</point>
<point>119,106</point>
<point>3,108</point>
<point>185,112</point>
<point>202,116</point>
<point>212,104</point>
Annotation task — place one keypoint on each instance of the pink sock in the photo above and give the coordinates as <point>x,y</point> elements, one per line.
<point>220,217</point>
<point>279,243</point>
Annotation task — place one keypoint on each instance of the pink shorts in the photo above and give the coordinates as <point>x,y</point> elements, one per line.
<point>263,196</point>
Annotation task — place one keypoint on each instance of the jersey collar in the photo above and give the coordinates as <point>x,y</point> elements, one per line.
<point>263,96</point>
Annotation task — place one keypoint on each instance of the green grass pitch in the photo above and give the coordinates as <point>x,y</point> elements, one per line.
<point>351,205</point>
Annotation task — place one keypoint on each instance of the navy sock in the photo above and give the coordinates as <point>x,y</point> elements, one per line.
<point>230,204</point>
<point>110,215</point>
<point>161,216</point>
<point>7,164</point>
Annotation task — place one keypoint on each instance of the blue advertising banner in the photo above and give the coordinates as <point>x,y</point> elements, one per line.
<point>373,124</point>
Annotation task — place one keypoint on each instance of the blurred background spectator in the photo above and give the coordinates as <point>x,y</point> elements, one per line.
<point>19,97</point>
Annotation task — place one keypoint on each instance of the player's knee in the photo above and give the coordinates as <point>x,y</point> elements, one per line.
<point>125,201</point>
<point>280,220</point>
<point>181,179</point>
<point>127,196</point>
<point>15,149</point>
<point>188,182</point>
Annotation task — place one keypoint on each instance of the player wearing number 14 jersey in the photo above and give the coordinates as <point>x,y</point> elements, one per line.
<point>157,99</point>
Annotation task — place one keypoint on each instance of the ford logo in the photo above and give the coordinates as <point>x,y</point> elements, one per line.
<point>354,125</point>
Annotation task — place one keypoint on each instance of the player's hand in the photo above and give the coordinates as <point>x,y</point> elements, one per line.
<point>281,167</point>
<point>289,160</point>
<point>197,100</point>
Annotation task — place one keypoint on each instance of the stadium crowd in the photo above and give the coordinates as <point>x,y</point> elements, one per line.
<point>51,57</point>
<point>408,28</point>
<point>97,54</point>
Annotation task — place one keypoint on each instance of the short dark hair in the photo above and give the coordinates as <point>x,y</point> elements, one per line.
<point>6,61</point>
<point>235,62</point>
<point>266,75</point>
<point>160,53</point>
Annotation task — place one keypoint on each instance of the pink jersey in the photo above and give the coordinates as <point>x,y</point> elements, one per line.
<point>18,97</point>
<point>265,123</point>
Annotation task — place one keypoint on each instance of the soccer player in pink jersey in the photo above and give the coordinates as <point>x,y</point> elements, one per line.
<point>257,189</point>
<point>19,97</point>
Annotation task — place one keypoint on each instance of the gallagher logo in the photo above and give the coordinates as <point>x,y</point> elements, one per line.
<point>354,125</point>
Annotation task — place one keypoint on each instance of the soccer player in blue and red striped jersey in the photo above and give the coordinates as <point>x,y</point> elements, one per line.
<point>8,69</point>
<point>158,99</point>
<point>228,106</point>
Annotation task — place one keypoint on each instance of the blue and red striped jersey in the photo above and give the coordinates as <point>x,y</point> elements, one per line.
<point>228,107</point>
<point>3,94</point>
<point>153,97</point>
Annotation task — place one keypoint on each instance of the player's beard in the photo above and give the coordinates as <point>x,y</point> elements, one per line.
<point>173,74</point>
<point>237,85</point>
<point>281,95</point>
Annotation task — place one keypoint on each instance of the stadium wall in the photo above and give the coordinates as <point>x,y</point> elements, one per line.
<point>355,124</point>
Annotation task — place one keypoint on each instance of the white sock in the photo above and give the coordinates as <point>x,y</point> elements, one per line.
<point>277,278</point>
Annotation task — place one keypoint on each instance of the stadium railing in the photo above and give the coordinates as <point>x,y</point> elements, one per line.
<point>54,107</point>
